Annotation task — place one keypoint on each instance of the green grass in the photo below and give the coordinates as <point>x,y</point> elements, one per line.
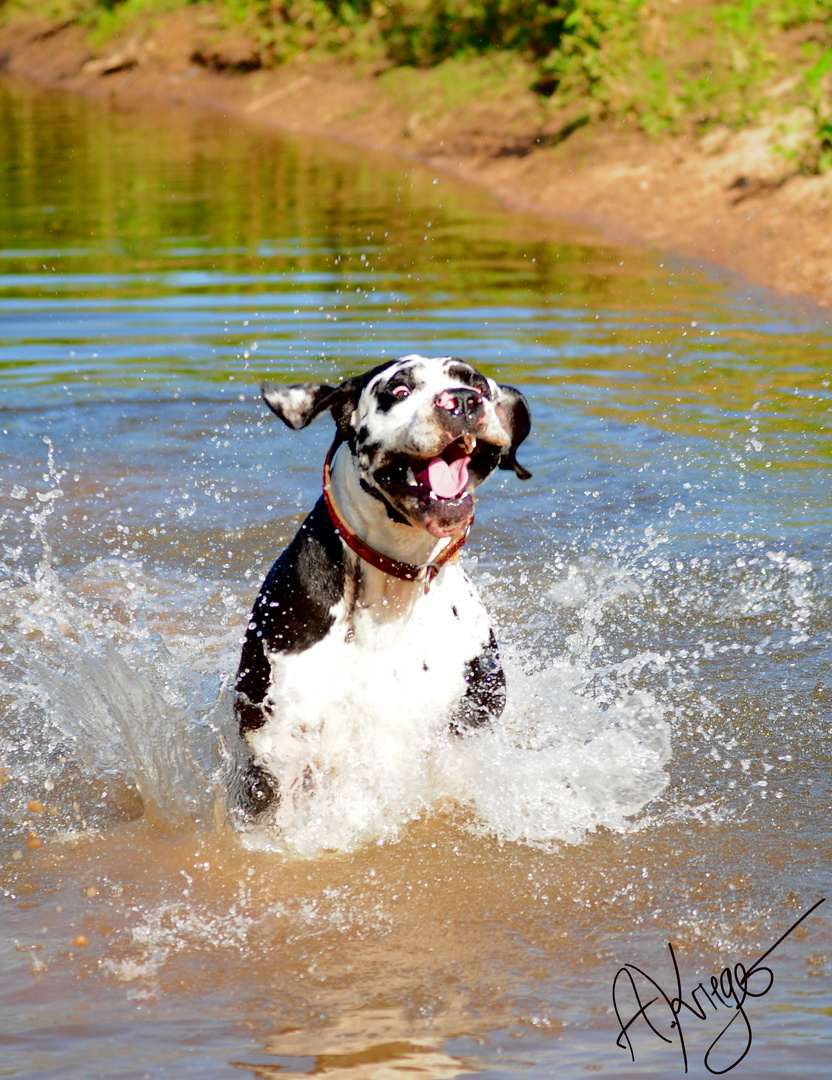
<point>670,66</point>
<point>107,21</point>
<point>455,82</point>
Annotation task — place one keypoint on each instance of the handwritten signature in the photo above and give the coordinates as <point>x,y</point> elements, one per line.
<point>730,989</point>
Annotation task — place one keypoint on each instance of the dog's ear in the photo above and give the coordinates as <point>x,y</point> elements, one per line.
<point>298,405</point>
<point>513,412</point>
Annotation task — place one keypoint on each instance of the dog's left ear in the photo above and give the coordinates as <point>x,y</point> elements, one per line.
<point>513,412</point>
<point>298,405</point>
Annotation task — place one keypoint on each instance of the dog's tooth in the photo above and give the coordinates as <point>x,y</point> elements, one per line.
<point>411,479</point>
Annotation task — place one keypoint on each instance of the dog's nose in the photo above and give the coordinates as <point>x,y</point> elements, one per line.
<point>461,402</point>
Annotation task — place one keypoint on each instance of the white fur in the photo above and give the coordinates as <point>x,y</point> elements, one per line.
<point>365,684</point>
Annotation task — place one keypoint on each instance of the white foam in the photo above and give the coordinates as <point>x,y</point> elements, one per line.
<point>559,766</point>
<point>556,767</point>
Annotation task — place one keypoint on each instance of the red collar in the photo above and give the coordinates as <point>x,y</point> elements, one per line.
<point>402,570</point>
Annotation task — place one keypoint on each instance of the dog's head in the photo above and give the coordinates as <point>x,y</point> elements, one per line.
<point>423,432</point>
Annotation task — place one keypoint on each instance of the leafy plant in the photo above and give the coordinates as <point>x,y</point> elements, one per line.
<point>670,67</point>
<point>817,156</point>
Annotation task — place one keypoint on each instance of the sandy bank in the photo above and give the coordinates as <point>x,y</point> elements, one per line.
<point>725,199</point>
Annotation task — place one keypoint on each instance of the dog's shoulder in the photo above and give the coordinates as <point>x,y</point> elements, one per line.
<point>294,608</point>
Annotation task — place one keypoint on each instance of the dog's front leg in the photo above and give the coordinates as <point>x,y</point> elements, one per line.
<point>294,611</point>
<point>252,789</point>
<point>485,694</point>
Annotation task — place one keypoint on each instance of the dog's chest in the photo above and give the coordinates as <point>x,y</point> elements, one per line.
<point>376,673</point>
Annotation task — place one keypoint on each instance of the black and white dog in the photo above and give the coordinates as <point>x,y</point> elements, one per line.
<point>367,613</point>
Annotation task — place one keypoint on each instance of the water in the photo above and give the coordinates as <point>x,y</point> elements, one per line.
<point>660,589</point>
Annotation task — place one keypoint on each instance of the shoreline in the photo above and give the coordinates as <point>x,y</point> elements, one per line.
<point>723,200</point>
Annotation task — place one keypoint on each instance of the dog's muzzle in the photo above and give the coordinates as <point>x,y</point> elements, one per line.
<point>434,491</point>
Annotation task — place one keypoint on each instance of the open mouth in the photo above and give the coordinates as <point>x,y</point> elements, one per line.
<point>436,493</point>
<point>445,476</point>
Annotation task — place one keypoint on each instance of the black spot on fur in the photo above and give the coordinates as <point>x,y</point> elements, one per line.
<point>368,452</point>
<point>386,399</point>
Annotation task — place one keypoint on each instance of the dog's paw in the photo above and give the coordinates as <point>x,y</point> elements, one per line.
<point>254,790</point>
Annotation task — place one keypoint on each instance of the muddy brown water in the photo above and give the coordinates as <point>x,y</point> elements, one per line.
<point>660,588</point>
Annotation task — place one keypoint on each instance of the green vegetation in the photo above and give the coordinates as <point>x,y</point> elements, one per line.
<point>666,65</point>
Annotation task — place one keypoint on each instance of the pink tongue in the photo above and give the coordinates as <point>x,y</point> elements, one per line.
<point>446,479</point>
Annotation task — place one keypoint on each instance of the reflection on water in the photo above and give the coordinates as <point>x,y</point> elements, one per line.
<point>660,589</point>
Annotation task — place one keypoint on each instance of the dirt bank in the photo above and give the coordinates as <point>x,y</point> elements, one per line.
<point>725,199</point>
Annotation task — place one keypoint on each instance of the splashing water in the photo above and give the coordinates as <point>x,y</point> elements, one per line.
<point>101,661</point>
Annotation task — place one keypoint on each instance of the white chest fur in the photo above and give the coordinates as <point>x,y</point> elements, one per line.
<point>382,682</point>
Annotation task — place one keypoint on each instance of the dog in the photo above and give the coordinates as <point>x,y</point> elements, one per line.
<point>368,609</point>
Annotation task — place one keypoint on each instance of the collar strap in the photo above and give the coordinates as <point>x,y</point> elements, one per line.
<point>402,570</point>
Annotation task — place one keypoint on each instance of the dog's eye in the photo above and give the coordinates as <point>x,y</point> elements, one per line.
<point>400,391</point>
